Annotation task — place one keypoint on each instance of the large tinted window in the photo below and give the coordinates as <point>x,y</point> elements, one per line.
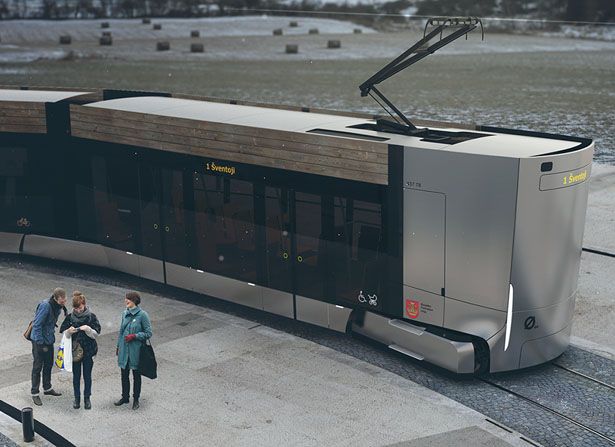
<point>176,218</point>
<point>278,239</point>
<point>356,253</point>
<point>26,189</point>
<point>311,261</point>
<point>115,189</point>
<point>224,226</point>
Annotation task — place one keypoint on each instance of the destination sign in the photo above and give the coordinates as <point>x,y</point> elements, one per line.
<point>564,179</point>
<point>222,169</point>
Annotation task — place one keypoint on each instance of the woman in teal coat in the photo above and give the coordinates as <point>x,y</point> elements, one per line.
<point>135,329</point>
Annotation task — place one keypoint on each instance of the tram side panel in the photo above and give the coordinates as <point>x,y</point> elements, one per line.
<point>458,236</point>
<point>551,208</point>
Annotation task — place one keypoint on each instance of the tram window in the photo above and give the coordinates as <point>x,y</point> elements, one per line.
<point>177,243</point>
<point>278,239</point>
<point>224,226</point>
<point>115,187</point>
<point>26,190</point>
<point>355,252</point>
<point>310,265</point>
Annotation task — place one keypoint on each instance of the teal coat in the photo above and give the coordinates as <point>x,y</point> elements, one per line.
<point>134,321</point>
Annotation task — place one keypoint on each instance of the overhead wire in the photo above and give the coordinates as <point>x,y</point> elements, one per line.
<point>420,17</point>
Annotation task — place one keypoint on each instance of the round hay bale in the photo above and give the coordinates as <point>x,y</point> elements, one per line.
<point>106,33</point>
<point>293,24</point>
<point>292,48</point>
<point>333,44</point>
<point>197,48</point>
<point>146,21</point>
<point>313,31</point>
<point>163,46</point>
<point>357,30</point>
<point>65,39</point>
<point>104,25</point>
<point>157,26</point>
<point>106,40</point>
<point>195,33</point>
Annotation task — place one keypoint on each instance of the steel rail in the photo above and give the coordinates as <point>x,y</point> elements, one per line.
<point>550,410</point>
<point>585,376</point>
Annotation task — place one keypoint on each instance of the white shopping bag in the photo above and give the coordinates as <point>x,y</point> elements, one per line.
<point>64,357</point>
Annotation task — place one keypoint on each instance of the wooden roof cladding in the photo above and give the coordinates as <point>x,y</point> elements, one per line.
<point>23,117</point>
<point>344,158</point>
<point>24,111</point>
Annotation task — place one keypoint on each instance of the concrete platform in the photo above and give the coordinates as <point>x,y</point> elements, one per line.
<point>224,380</point>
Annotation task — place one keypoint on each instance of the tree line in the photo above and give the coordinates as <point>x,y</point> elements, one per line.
<point>573,10</point>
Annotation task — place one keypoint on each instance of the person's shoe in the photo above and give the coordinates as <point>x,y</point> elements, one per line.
<point>51,392</point>
<point>77,403</point>
<point>86,403</point>
<point>37,400</point>
<point>135,404</point>
<point>122,401</point>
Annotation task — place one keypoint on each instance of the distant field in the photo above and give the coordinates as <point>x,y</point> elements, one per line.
<point>547,84</point>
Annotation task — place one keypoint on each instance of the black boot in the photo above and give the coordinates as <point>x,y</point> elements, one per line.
<point>135,404</point>
<point>122,401</point>
<point>86,403</point>
<point>77,403</point>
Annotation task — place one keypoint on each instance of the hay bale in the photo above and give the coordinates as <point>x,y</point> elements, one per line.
<point>293,24</point>
<point>313,31</point>
<point>292,48</point>
<point>333,44</point>
<point>357,30</point>
<point>106,33</point>
<point>163,46</point>
<point>104,25</point>
<point>146,21</point>
<point>157,26</point>
<point>106,40</point>
<point>65,39</point>
<point>197,48</point>
<point>195,33</point>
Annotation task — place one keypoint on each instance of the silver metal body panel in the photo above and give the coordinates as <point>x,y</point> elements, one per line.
<point>472,319</point>
<point>122,262</point>
<point>312,311</point>
<point>548,241</point>
<point>424,306</point>
<point>414,341</point>
<point>10,242</point>
<point>214,285</point>
<point>150,268</point>
<point>536,326</point>
<point>424,239</point>
<point>278,302</point>
<point>549,231</point>
<point>480,211</point>
<point>322,314</point>
<point>65,250</point>
<point>545,348</point>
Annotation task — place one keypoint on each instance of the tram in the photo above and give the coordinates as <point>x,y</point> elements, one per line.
<point>457,245</point>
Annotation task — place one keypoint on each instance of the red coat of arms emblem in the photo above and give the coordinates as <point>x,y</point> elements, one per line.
<point>412,308</point>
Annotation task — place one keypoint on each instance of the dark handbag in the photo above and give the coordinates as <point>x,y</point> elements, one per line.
<point>147,361</point>
<point>28,333</point>
<point>77,352</point>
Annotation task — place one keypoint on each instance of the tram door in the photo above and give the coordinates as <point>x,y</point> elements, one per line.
<point>150,195</point>
<point>278,239</point>
<point>293,240</point>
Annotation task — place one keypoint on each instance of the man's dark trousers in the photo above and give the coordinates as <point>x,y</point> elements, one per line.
<point>43,360</point>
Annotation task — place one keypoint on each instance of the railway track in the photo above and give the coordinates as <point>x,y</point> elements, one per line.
<point>573,397</point>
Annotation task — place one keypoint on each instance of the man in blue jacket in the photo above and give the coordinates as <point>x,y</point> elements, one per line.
<point>43,337</point>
